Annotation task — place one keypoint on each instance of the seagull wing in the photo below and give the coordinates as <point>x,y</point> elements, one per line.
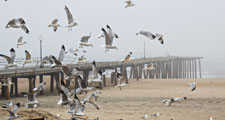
<point>57,62</point>
<point>147,34</point>
<point>15,108</point>
<point>20,39</point>
<point>66,71</point>
<point>28,56</point>
<point>9,60</point>
<point>21,21</point>
<point>55,21</point>
<point>69,15</point>
<point>11,23</point>
<point>84,39</point>
<point>94,104</point>
<point>13,54</point>
<point>108,40</point>
<point>24,28</point>
<point>62,53</point>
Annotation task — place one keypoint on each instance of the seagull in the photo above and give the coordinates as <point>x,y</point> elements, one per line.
<point>127,58</point>
<point>160,38</point>
<point>78,110</point>
<point>192,85</point>
<point>167,102</point>
<point>120,84</point>
<point>129,3</point>
<point>56,63</point>
<point>12,113</point>
<point>94,74</point>
<point>82,59</point>
<point>82,86</point>
<point>62,53</point>
<point>7,105</point>
<point>71,22</point>
<point>146,34</point>
<point>84,41</point>
<point>54,24</point>
<point>10,59</point>
<point>155,115</point>
<point>149,67</point>
<point>145,116</point>
<point>20,42</point>
<point>111,34</point>
<point>89,99</point>
<point>73,51</point>
<point>7,82</point>
<point>65,100</point>
<point>46,60</point>
<point>108,41</point>
<point>27,58</point>
<point>32,101</point>
<point>179,99</point>
<point>18,23</point>
<point>40,87</point>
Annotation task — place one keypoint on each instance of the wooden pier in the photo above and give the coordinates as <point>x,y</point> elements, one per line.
<point>166,68</point>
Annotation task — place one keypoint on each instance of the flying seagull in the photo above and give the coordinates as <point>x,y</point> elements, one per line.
<point>94,78</point>
<point>82,59</point>
<point>149,67</point>
<point>62,53</point>
<point>54,24</point>
<point>40,87</point>
<point>71,22</point>
<point>73,51</point>
<point>20,42</point>
<point>192,85</point>
<point>56,63</point>
<point>32,101</point>
<point>127,58</point>
<point>84,41</point>
<point>12,113</point>
<point>146,34</point>
<point>27,58</point>
<point>108,41</point>
<point>10,59</point>
<point>46,60</point>
<point>129,3</point>
<point>18,23</point>
<point>160,38</point>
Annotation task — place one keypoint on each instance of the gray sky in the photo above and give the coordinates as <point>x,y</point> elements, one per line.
<point>190,27</point>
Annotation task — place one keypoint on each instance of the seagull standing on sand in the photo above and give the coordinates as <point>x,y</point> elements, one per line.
<point>129,3</point>
<point>18,23</point>
<point>32,101</point>
<point>84,41</point>
<point>145,116</point>
<point>210,118</point>
<point>7,105</point>
<point>10,59</point>
<point>20,42</point>
<point>71,22</point>
<point>12,113</point>
<point>192,85</point>
<point>155,115</point>
<point>54,24</point>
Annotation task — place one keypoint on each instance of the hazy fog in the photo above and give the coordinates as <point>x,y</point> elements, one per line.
<point>190,27</point>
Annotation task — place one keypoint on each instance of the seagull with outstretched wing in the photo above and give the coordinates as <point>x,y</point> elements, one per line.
<point>10,59</point>
<point>54,24</point>
<point>71,22</point>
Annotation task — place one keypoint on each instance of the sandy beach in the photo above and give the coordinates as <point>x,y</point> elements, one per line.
<point>139,98</point>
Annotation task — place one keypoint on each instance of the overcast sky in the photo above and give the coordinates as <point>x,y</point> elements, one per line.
<point>190,27</point>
